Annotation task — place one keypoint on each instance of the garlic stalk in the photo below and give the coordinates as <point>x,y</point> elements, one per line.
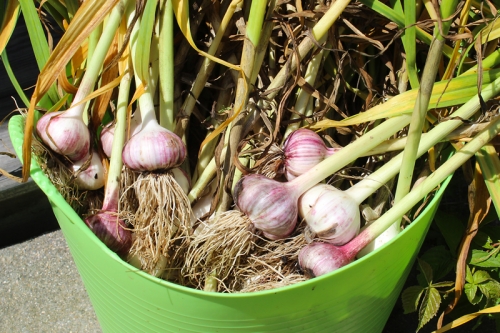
<point>65,132</point>
<point>106,224</point>
<point>363,189</point>
<point>320,258</point>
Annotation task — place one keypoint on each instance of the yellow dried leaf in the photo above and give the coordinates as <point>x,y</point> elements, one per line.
<point>9,23</point>
<point>464,319</point>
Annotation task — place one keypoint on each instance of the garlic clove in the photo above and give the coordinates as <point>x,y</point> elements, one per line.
<point>65,133</point>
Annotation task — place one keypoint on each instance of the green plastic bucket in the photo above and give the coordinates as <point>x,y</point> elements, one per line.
<point>356,298</point>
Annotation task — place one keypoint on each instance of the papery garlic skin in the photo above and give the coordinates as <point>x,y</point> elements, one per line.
<point>303,149</point>
<point>270,205</point>
<point>91,178</point>
<point>154,148</point>
<point>330,213</point>
<point>317,259</point>
<point>65,133</point>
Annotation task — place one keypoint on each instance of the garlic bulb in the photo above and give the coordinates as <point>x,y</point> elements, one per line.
<point>303,149</point>
<point>153,148</point>
<point>108,133</point>
<point>92,177</point>
<point>317,258</point>
<point>65,133</point>
<point>270,205</point>
<point>111,231</point>
<point>330,213</point>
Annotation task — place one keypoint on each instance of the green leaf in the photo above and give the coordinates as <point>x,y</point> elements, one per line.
<point>451,229</point>
<point>481,280</point>
<point>480,277</point>
<point>430,306</point>
<point>440,259</point>
<point>491,290</point>
<point>426,270</point>
<point>35,31</point>
<point>485,259</point>
<point>13,79</point>
<point>470,291</point>
<point>410,298</point>
<point>37,37</point>
<point>468,275</point>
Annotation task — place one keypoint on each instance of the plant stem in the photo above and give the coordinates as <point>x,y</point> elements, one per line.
<point>254,27</point>
<point>420,109</point>
<point>424,188</point>
<point>111,194</point>
<point>370,184</point>
<point>409,42</point>
<point>95,64</point>
<point>167,80</point>
<point>139,53</point>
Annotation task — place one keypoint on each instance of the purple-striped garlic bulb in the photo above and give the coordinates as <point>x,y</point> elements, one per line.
<point>270,205</point>
<point>303,149</point>
<point>65,133</point>
<point>108,133</point>
<point>154,148</point>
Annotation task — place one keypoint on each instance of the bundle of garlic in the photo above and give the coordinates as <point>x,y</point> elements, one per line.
<point>237,142</point>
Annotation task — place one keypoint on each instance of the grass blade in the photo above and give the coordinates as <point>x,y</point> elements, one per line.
<point>13,79</point>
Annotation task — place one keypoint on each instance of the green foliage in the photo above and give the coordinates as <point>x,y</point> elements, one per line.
<point>479,284</point>
<point>428,294</point>
<point>482,286</point>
